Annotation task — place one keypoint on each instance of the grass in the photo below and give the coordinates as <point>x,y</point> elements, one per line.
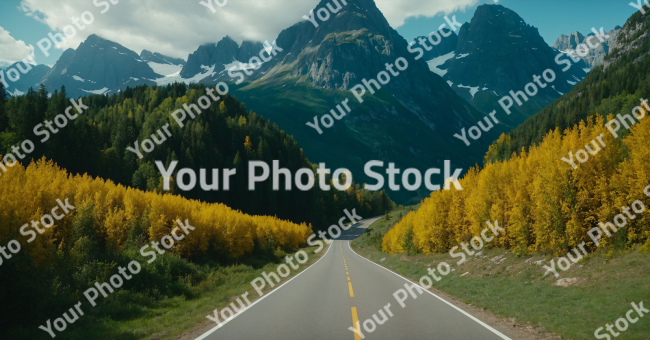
<point>374,234</point>
<point>178,315</point>
<point>127,315</point>
<point>515,287</point>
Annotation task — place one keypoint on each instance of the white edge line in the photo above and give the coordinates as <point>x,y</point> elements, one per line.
<point>205,335</point>
<point>441,299</point>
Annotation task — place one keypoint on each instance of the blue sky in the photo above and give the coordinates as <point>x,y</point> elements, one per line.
<point>25,28</point>
<point>551,17</point>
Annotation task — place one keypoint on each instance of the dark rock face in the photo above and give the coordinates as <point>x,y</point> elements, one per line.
<point>497,51</point>
<point>224,52</point>
<point>408,120</point>
<point>446,45</point>
<point>249,49</point>
<point>32,78</point>
<point>623,44</point>
<point>356,43</point>
<point>594,57</point>
<point>98,64</point>
<point>160,58</point>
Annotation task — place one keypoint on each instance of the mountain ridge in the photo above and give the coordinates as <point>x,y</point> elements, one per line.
<point>593,57</point>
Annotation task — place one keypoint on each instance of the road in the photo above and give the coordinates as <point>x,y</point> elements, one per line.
<point>326,299</point>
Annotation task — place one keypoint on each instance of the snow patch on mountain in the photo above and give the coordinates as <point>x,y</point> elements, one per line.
<point>101,91</point>
<point>165,70</point>
<point>238,66</point>
<point>472,90</point>
<point>175,77</point>
<point>435,62</point>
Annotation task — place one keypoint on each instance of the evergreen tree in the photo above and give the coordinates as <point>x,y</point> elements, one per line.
<point>4,121</point>
<point>222,137</point>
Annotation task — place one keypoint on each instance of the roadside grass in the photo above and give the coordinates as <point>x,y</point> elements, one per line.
<point>374,234</point>
<point>515,287</point>
<point>178,315</point>
<point>127,315</point>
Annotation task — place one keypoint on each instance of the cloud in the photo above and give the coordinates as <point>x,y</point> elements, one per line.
<point>177,28</point>
<point>12,50</point>
<point>396,12</point>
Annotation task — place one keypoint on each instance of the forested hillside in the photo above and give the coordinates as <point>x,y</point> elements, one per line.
<point>614,87</point>
<point>224,136</point>
<point>107,228</point>
<point>543,204</point>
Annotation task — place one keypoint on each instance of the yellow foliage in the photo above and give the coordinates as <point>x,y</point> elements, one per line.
<point>541,201</point>
<point>28,193</point>
<point>248,144</point>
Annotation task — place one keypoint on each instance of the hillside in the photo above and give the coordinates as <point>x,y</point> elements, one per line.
<point>543,204</point>
<point>105,225</point>
<point>226,135</point>
<point>616,86</point>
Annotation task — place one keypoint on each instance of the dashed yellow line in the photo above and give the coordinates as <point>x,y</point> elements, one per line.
<point>350,286</point>
<point>355,322</point>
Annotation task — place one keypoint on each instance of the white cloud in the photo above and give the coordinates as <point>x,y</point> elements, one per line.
<point>12,50</point>
<point>177,28</point>
<point>396,12</point>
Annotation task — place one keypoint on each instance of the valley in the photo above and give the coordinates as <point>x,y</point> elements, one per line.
<point>324,169</point>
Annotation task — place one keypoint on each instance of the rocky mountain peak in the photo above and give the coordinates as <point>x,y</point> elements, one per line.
<point>97,66</point>
<point>160,58</point>
<point>498,52</point>
<point>219,55</point>
<point>496,28</point>
<point>571,41</point>
<point>594,56</point>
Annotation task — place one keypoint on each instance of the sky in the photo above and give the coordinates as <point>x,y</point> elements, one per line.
<point>551,17</point>
<point>164,26</point>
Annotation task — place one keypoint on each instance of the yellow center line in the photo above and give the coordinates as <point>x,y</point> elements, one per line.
<point>348,278</point>
<point>355,321</point>
<point>350,286</point>
<point>346,273</point>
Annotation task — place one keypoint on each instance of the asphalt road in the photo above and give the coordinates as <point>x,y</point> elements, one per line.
<point>326,299</point>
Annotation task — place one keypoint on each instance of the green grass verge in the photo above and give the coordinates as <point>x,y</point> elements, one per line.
<point>127,315</point>
<point>515,287</point>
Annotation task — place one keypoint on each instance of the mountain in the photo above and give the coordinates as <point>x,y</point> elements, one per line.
<point>616,86</point>
<point>158,58</point>
<point>494,54</point>
<point>595,56</point>
<point>214,59</point>
<point>571,41</point>
<point>408,121</point>
<point>498,52</point>
<point>98,66</point>
<point>431,51</point>
<point>32,78</point>
<point>225,135</point>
